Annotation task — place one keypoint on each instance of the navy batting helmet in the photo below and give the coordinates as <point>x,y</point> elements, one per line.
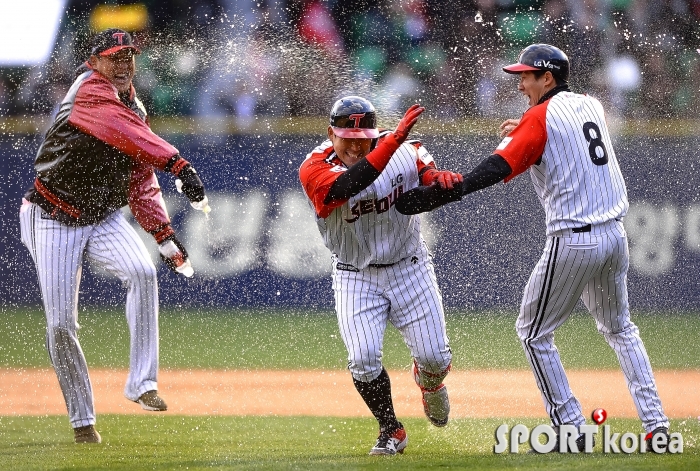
<point>354,117</point>
<point>542,57</point>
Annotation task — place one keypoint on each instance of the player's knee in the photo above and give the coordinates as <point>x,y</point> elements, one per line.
<point>365,371</point>
<point>430,375</point>
<point>435,364</point>
<point>59,333</point>
<point>522,333</point>
<point>622,335</point>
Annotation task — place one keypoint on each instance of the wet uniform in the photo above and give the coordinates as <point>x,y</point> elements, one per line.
<point>382,271</point>
<point>98,156</point>
<point>565,144</point>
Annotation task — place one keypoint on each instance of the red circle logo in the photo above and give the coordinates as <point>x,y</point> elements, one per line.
<point>599,416</point>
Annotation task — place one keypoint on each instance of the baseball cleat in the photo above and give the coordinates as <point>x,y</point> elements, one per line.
<point>86,434</point>
<point>390,443</point>
<point>151,401</point>
<point>436,405</point>
<point>660,448</point>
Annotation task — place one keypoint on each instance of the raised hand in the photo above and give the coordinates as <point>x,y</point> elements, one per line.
<point>409,119</point>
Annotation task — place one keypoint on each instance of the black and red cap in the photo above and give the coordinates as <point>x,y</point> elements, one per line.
<point>112,40</point>
<point>354,117</point>
<point>541,57</point>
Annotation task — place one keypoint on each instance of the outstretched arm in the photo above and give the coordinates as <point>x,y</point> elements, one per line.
<point>490,171</point>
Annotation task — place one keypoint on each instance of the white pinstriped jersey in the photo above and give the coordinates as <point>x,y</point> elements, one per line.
<point>367,229</point>
<point>382,271</point>
<point>566,144</point>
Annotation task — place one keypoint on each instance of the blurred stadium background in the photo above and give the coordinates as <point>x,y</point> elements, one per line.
<point>243,87</point>
<point>252,58</point>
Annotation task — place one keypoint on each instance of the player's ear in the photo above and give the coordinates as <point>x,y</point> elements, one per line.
<point>549,78</point>
<point>330,133</point>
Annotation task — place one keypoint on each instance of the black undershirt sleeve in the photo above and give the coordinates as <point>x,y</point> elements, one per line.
<point>352,181</point>
<point>490,171</point>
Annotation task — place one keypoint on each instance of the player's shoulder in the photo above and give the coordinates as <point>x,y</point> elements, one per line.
<point>322,150</point>
<point>94,83</point>
<point>569,103</point>
<point>94,90</point>
<point>592,99</point>
<point>569,98</point>
<point>321,153</point>
<point>415,143</point>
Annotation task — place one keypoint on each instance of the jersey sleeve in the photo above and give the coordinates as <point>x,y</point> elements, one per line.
<point>317,174</point>
<point>98,112</point>
<point>424,163</point>
<point>525,144</point>
<point>146,202</point>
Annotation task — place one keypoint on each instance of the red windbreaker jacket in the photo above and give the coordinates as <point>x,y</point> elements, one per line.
<point>99,155</point>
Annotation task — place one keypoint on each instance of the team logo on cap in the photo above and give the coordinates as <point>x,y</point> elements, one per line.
<point>119,37</point>
<point>546,64</point>
<point>356,118</point>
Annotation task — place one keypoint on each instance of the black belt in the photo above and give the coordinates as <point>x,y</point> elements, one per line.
<point>382,265</point>
<point>348,267</point>
<point>586,228</point>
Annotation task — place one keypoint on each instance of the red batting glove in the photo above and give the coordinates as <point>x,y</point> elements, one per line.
<point>407,122</point>
<point>444,178</point>
<point>447,179</point>
<point>380,156</point>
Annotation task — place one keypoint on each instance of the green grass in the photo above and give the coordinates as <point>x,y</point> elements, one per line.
<point>249,340</point>
<point>246,339</point>
<point>286,443</point>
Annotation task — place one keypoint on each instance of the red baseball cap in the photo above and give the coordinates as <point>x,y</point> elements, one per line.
<point>517,68</point>
<point>112,40</point>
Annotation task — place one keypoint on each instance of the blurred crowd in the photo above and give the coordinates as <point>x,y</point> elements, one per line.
<point>249,58</point>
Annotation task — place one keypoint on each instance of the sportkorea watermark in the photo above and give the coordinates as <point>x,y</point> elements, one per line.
<point>563,439</point>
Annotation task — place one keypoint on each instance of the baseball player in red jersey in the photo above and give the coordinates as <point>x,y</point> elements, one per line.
<point>98,156</point>
<point>563,140</point>
<point>382,271</point>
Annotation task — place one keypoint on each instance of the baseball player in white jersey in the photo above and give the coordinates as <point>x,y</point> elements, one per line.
<point>382,271</point>
<point>564,141</point>
<point>98,156</point>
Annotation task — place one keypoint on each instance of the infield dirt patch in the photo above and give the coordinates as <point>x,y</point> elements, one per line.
<point>480,393</point>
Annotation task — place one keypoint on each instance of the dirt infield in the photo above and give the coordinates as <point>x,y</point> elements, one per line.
<point>482,393</point>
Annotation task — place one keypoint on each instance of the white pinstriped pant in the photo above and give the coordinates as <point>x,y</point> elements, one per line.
<point>591,266</point>
<point>405,294</point>
<point>113,245</point>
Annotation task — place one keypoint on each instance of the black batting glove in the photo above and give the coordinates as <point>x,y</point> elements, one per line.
<point>192,185</point>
